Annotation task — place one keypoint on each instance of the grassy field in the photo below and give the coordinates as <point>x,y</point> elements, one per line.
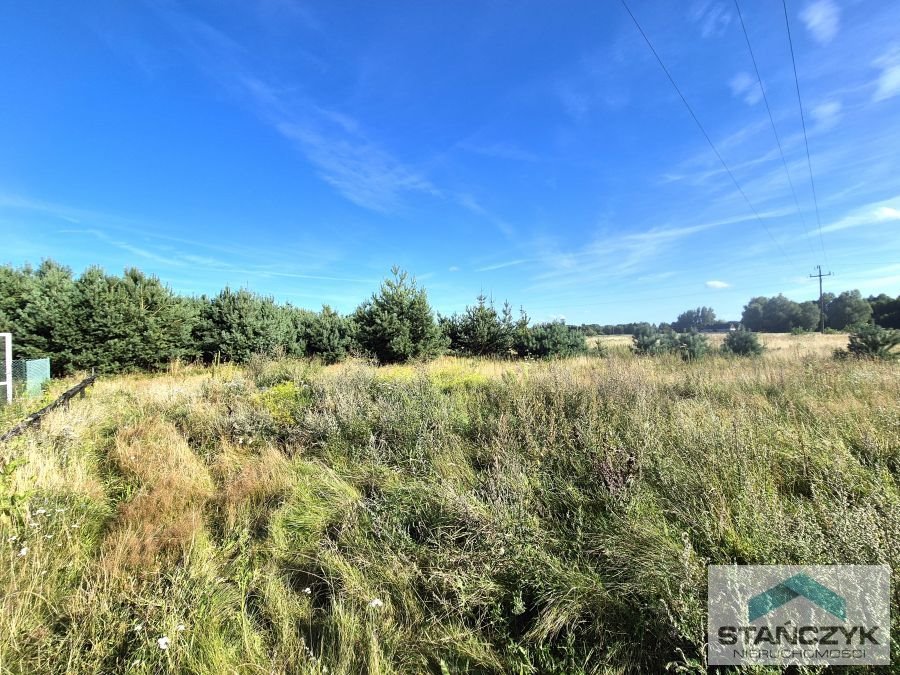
<point>460,516</point>
<point>778,345</point>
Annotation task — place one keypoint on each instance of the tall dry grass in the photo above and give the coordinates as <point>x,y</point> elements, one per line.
<point>458,516</point>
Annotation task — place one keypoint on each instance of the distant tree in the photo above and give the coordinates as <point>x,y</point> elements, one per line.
<point>776,315</point>
<point>753,316</point>
<point>885,310</point>
<point>397,323</point>
<point>846,310</point>
<point>694,319</point>
<point>807,316</point>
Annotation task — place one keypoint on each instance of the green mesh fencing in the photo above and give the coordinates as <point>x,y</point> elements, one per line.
<point>29,376</point>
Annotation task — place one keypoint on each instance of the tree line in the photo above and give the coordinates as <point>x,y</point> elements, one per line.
<point>776,314</point>
<point>135,322</point>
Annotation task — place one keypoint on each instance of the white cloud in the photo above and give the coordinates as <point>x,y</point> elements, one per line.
<point>822,19</point>
<point>747,87</point>
<point>713,17</point>
<point>827,114</point>
<point>888,83</point>
<point>717,284</point>
<point>453,268</point>
<point>500,266</point>
<point>873,214</point>
<point>360,170</point>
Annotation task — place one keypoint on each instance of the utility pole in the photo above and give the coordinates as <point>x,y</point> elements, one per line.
<point>821,297</point>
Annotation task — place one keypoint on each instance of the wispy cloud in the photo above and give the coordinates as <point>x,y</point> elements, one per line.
<point>130,248</point>
<point>717,284</point>
<point>822,19</point>
<point>888,83</point>
<point>879,213</point>
<point>502,265</point>
<point>469,203</point>
<point>712,17</point>
<point>359,168</point>
<point>361,171</point>
<point>745,86</point>
<point>826,115</point>
<point>500,150</point>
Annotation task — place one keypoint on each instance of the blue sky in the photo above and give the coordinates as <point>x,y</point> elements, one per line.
<point>530,150</point>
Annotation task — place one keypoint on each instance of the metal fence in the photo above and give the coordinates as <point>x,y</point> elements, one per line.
<point>29,376</point>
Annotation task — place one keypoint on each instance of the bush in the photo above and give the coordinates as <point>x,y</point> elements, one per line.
<point>551,340</point>
<point>237,325</point>
<point>650,342</point>
<point>325,335</point>
<point>481,330</point>
<point>692,346</point>
<point>397,323</point>
<point>874,342</point>
<point>742,343</point>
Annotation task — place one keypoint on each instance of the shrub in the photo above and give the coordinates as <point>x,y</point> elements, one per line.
<point>551,340</point>
<point>650,342</point>
<point>874,342</point>
<point>325,335</point>
<point>692,345</point>
<point>237,325</point>
<point>397,323</point>
<point>481,330</point>
<point>742,343</point>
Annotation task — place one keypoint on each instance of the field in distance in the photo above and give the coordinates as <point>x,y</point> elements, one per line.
<point>778,345</point>
<point>462,515</point>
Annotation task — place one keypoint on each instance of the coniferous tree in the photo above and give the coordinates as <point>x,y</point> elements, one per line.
<point>397,323</point>
<point>235,325</point>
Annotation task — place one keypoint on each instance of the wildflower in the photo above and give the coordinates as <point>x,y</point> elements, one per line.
<point>23,551</point>
<point>48,536</point>
<point>307,590</point>
<point>376,603</point>
<point>163,643</point>
<point>60,510</point>
<point>11,539</point>
<point>138,628</point>
<point>180,627</point>
<point>75,526</point>
<point>40,512</point>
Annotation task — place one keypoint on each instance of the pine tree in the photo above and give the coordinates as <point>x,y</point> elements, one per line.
<point>397,323</point>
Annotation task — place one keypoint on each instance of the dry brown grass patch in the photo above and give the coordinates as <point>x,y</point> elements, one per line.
<point>250,480</point>
<point>165,516</point>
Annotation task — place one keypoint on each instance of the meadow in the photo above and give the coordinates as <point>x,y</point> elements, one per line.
<point>462,515</point>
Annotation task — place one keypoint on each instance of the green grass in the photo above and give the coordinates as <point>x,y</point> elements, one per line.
<point>462,516</point>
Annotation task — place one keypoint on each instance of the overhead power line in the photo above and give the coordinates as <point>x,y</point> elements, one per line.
<point>705,134</point>
<point>812,181</point>
<point>762,90</point>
